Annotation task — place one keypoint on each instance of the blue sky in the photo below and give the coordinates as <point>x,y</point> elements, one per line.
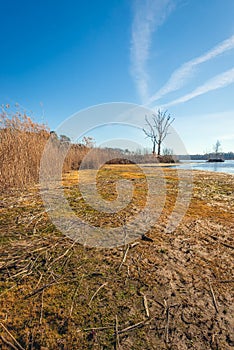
<point>58,57</point>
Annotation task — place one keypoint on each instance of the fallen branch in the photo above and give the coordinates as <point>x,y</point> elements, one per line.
<point>74,296</point>
<point>98,328</point>
<point>223,243</point>
<point>42,305</point>
<point>227,245</point>
<point>167,308</point>
<point>8,343</point>
<point>145,302</point>
<point>103,285</point>
<point>136,325</point>
<point>7,290</point>
<point>117,333</point>
<point>184,320</point>
<point>159,303</point>
<point>130,328</point>
<point>213,298</point>
<point>62,256</point>
<point>12,337</point>
<point>17,274</point>
<point>124,257</point>
<point>39,280</point>
<point>41,289</point>
<point>46,286</point>
<point>226,281</point>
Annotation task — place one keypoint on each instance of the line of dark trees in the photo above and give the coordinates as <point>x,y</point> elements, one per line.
<point>225,155</point>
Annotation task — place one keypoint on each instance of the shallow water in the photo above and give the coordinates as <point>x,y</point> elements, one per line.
<point>226,167</point>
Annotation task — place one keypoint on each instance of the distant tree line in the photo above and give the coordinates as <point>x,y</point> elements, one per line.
<point>225,155</point>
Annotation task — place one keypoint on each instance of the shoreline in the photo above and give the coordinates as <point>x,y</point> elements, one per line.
<point>195,166</point>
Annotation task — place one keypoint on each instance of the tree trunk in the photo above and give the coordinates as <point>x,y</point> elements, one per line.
<point>159,148</point>
<point>154,148</point>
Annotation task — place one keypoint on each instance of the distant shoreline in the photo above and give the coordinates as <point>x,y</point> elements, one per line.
<point>200,165</point>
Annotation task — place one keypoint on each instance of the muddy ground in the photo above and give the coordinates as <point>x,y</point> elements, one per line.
<point>174,291</point>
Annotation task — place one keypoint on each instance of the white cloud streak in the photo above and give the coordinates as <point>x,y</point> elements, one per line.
<point>148,16</point>
<point>180,76</point>
<point>219,81</point>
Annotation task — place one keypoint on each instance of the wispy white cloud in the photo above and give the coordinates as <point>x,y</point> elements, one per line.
<point>217,82</point>
<point>148,16</point>
<point>179,78</point>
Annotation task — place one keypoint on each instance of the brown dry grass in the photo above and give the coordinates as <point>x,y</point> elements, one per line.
<point>59,295</point>
<point>21,145</point>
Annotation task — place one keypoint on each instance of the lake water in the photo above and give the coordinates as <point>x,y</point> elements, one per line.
<point>225,167</point>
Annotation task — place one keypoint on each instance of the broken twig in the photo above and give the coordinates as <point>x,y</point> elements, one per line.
<point>136,325</point>
<point>124,257</point>
<point>8,343</point>
<point>145,302</point>
<point>213,298</point>
<point>103,285</point>
<point>117,333</point>
<point>12,337</point>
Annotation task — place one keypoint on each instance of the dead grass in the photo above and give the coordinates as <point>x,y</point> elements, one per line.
<point>21,146</point>
<point>59,295</point>
<point>22,143</point>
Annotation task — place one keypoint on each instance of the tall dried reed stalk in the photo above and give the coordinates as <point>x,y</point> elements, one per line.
<point>21,145</point>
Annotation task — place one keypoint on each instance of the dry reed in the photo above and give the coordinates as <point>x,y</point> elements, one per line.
<point>22,142</point>
<point>21,145</point>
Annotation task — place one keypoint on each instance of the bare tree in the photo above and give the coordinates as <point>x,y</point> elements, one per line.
<point>64,139</point>
<point>158,129</point>
<point>88,141</point>
<point>167,151</point>
<point>217,148</point>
